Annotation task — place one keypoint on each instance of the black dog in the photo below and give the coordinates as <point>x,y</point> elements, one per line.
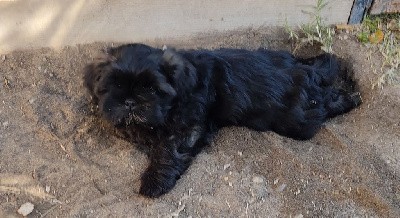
<point>173,102</point>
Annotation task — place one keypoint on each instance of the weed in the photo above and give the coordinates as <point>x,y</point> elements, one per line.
<point>315,31</point>
<point>383,32</point>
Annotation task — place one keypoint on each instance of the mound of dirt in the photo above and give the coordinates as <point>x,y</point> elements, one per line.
<point>57,155</point>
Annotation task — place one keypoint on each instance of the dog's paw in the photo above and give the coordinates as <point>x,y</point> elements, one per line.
<point>157,182</point>
<point>356,98</point>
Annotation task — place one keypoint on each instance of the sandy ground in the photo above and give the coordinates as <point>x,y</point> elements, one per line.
<point>56,154</point>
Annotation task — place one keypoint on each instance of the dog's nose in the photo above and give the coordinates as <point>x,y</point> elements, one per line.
<point>129,103</point>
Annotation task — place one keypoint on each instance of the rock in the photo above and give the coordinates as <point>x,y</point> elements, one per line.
<point>47,188</point>
<point>259,187</point>
<point>5,124</point>
<point>26,209</point>
<point>281,187</point>
<point>258,179</point>
<point>299,216</point>
<point>3,58</point>
<point>32,100</point>
<point>226,166</point>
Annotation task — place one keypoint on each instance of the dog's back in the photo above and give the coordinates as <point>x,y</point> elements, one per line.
<point>273,90</point>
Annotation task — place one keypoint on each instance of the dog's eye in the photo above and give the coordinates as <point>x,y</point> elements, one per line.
<point>102,91</point>
<point>152,91</point>
<point>141,98</point>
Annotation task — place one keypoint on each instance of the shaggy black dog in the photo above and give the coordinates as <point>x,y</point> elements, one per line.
<point>173,102</point>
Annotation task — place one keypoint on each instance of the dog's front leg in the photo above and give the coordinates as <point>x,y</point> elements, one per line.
<point>166,167</point>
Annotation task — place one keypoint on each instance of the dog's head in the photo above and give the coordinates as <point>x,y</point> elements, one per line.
<point>137,84</point>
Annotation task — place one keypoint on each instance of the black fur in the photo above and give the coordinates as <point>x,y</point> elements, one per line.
<point>173,102</point>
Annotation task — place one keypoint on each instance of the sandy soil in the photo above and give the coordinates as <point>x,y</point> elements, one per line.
<point>55,153</point>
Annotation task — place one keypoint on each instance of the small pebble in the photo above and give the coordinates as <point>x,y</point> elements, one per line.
<point>299,216</point>
<point>5,124</point>
<point>240,153</point>
<point>3,58</point>
<point>226,166</point>
<point>26,209</point>
<point>259,188</point>
<point>32,100</point>
<point>281,187</point>
<point>47,188</point>
<point>258,179</point>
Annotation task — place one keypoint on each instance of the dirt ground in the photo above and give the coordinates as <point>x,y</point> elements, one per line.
<point>56,154</point>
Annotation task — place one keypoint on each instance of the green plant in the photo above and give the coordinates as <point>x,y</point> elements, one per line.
<point>314,31</point>
<point>363,37</point>
<point>387,42</point>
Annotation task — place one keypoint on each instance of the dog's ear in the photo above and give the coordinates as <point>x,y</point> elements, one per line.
<point>180,72</point>
<point>93,71</point>
<point>92,74</point>
<point>89,77</point>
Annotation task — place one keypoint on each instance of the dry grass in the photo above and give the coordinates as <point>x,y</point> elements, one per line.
<point>382,33</point>
<point>316,31</point>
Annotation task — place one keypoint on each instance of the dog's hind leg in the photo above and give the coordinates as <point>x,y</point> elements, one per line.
<point>338,102</point>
